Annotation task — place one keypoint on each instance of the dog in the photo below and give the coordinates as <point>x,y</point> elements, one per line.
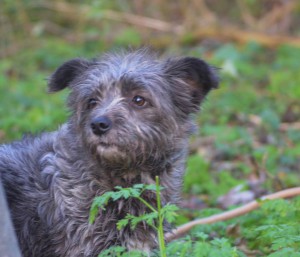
<point>131,117</point>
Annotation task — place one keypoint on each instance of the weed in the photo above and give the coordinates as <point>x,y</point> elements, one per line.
<point>154,219</point>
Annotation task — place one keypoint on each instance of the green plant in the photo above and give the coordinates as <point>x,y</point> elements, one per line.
<point>198,245</point>
<point>155,218</point>
<point>274,229</point>
<point>119,251</point>
<point>200,180</point>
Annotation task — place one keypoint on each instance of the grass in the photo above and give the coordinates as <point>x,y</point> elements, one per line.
<point>247,135</point>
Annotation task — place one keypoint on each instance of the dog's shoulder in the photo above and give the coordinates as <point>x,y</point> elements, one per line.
<point>28,147</point>
<point>25,155</point>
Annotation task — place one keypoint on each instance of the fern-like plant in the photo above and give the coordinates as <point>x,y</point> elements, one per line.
<point>154,218</point>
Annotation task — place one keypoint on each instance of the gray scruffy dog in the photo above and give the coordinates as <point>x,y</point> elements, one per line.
<point>130,121</point>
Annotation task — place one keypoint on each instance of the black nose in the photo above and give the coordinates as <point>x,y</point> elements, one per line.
<point>101,125</point>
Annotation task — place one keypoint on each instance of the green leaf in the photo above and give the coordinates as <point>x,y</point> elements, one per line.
<point>113,251</point>
<point>152,187</point>
<point>122,223</point>
<point>286,252</point>
<point>139,186</point>
<point>126,193</point>
<point>149,218</point>
<point>201,236</point>
<point>168,212</point>
<point>93,214</point>
<point>99,202</point>
<point>202,249</point>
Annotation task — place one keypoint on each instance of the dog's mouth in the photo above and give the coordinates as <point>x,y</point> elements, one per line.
<point>108,145</point>
<point>113,142</point>
<point>111,153</point>
<point>111,145</point>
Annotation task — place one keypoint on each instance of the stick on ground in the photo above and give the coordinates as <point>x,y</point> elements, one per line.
<point>180,231</point>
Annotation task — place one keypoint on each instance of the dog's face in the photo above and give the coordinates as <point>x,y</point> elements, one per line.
<point>133,109</point>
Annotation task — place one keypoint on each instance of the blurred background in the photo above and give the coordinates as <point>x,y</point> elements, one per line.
<point>248,143</point>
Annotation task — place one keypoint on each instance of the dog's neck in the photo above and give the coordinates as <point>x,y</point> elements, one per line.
<point>168,168</point>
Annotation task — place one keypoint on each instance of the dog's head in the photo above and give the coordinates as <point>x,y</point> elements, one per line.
<point>132,108</point>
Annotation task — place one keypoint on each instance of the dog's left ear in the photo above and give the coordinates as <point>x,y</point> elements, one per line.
<point>191,79</point>
<point>66,73</point>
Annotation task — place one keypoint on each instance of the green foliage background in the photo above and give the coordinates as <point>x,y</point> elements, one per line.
<point>249,127</point>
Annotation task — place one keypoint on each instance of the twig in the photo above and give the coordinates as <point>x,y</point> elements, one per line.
<point>141,21</point>
<point>180,231</point>
<point>287,126</point>
<point>242,36</point>
<point>245,14</point>
<point>276,14</point>
<point>113,15</point>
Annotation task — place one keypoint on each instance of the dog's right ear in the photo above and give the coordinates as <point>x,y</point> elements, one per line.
<point>66,73</point>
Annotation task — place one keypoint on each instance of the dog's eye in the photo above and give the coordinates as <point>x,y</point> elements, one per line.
<point>92,103</point>
<point>139,101</point>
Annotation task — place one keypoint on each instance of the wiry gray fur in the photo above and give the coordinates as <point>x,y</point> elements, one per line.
<point>51,180</point>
